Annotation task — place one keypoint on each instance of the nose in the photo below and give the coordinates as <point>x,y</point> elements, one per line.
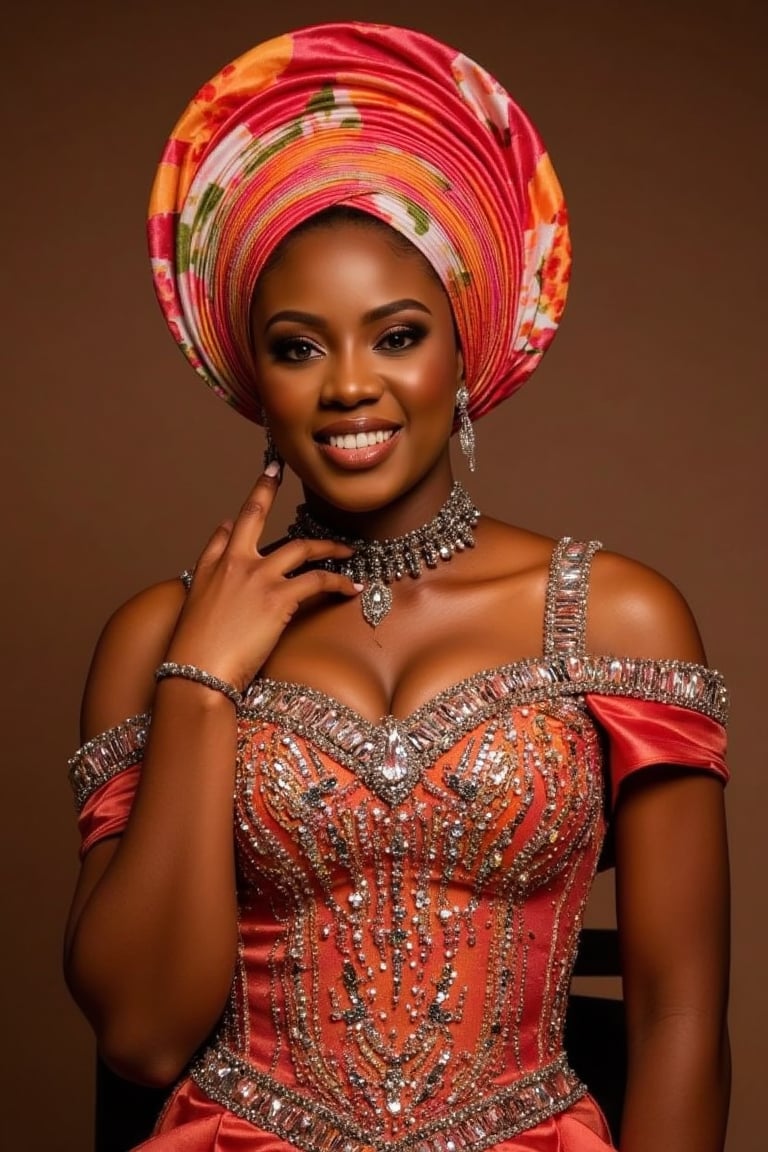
<point>350,379</point>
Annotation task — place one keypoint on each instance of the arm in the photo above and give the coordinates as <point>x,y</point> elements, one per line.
<point>152,935</point>
<point>672,896</point>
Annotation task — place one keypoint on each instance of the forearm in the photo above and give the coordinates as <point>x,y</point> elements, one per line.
<point>151,955</point>
<point>678,1086</point>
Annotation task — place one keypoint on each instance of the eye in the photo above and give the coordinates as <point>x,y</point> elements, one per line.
<point>400,338</point>
<point>294,350</point>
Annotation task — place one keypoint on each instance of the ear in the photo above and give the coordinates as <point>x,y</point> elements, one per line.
<point>459,367</point>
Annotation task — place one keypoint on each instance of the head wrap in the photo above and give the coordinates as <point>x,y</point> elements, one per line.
<point>378,118</point>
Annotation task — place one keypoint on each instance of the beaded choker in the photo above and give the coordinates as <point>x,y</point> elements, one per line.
<point>376,563</point>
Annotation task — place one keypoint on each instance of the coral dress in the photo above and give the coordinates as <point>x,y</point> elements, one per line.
<point>411,894</point>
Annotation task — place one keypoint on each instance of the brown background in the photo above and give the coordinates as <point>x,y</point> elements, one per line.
<point>645,427</point>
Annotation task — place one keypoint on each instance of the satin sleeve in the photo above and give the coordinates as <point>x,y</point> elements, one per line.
<point>106,812</point>
<point>104,775</point>
<point>642,733</point>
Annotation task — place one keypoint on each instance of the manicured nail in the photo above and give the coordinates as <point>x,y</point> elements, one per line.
<point>359,587</point>
<point>273,468</point>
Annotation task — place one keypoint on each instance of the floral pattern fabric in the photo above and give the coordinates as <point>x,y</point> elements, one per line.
<point>386,120</point>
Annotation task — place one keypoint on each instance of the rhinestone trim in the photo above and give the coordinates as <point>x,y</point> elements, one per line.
<point>390,757</point>
<point>107,755</point>
<point>565,611</point>
<point>269,1105</point>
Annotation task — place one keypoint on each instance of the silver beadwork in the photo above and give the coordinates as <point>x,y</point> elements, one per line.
<point>199,676</point>
<point>434,728</point>
<point>377,563</point>
<point>466,431</point>
<point>310,1126</point>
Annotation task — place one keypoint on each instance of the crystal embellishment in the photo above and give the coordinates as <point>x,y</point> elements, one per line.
<point>376,563</point>
<point>395,770</point>
<point>375,601</point>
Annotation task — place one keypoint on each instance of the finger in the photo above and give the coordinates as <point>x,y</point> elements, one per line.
<point>216,544</point>
<point>321,581</point>
<point>296,553</point>
<point>249,525</point>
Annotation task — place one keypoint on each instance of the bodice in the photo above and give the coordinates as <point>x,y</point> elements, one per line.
<point>414,919</point>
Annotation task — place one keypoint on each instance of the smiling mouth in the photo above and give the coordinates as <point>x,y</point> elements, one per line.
<point>354,440</point>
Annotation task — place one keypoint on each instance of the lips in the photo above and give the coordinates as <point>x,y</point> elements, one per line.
<point>357,443</point>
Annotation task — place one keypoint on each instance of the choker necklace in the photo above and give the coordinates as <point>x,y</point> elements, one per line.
<point>376,563</point>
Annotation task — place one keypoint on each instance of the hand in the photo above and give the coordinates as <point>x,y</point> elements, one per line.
<point>241,601</point>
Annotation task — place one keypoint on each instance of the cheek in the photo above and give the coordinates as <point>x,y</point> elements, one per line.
<point>286,396</point>
<point>432,383</point>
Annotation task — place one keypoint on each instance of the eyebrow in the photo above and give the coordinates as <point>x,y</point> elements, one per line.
<point>371,317</point>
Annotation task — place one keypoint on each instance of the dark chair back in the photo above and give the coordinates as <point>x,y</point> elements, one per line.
<point>595,1028</point>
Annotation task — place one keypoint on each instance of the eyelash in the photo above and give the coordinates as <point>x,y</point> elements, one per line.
<point>415,333</point>
<point>281,349</point>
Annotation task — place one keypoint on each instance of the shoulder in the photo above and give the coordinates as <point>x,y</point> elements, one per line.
<point>133,642</point>
<point>634,610</point>
<point>508,550</point>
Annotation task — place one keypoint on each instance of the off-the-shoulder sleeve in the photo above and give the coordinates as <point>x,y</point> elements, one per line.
<point>642,733</point>
<point>104,775</point>
<point>654,712</point>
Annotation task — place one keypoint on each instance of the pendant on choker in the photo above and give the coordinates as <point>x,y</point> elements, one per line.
<point>375,602</point>
<point>376,563</point>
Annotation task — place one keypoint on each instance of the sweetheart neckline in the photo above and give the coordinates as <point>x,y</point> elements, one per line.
<point>412,718</point>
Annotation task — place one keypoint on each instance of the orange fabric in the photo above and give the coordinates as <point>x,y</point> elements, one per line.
<point>642,733</point>
<point>485,862</point>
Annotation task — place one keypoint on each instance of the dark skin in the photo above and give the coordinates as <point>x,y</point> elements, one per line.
<point>152,933</point>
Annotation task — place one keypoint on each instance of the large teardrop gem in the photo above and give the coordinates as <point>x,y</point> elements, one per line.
<point>393,771</point>
<point>376,601</point>
<point>394,766</point>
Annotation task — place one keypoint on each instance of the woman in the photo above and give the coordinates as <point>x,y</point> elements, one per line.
<point>358,240</point>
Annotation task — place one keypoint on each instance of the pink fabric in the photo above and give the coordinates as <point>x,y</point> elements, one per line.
<point>390,122</point>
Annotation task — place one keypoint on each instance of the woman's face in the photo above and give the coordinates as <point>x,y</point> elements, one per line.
<point>358,365</point>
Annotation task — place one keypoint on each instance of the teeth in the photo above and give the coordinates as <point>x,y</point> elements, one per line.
<point>360,440</point>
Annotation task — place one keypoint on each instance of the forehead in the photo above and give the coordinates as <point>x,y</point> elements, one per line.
<point>343,258</point>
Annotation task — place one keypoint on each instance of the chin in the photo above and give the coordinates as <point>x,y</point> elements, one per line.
<point>361,491</point>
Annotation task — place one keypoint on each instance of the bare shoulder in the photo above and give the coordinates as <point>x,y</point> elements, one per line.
<point>513,551</point>
<point>634,610</point>
<point>133,642</point>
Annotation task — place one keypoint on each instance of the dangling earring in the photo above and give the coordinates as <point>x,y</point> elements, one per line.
<point>270,451</point>
<point>466,431</point>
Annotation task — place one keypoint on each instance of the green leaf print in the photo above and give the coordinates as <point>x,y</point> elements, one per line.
<point>264,154</point>
<point>208,201</point>
<point>183,241</point>
<point>419,217</point>
<point>322,101</point>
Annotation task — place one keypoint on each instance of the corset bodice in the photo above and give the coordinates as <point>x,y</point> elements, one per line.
<point>411,893</point>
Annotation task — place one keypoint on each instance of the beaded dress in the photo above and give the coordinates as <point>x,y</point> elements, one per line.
<point>411,894</point>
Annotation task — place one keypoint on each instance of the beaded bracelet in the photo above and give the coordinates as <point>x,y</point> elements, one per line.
<point>192,672</point>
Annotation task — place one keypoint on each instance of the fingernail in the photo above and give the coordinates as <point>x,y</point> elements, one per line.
<point>273,468</point>
<point>359,587</point>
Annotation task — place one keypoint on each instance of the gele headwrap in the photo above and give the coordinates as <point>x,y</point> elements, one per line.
<point>378,118</point>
